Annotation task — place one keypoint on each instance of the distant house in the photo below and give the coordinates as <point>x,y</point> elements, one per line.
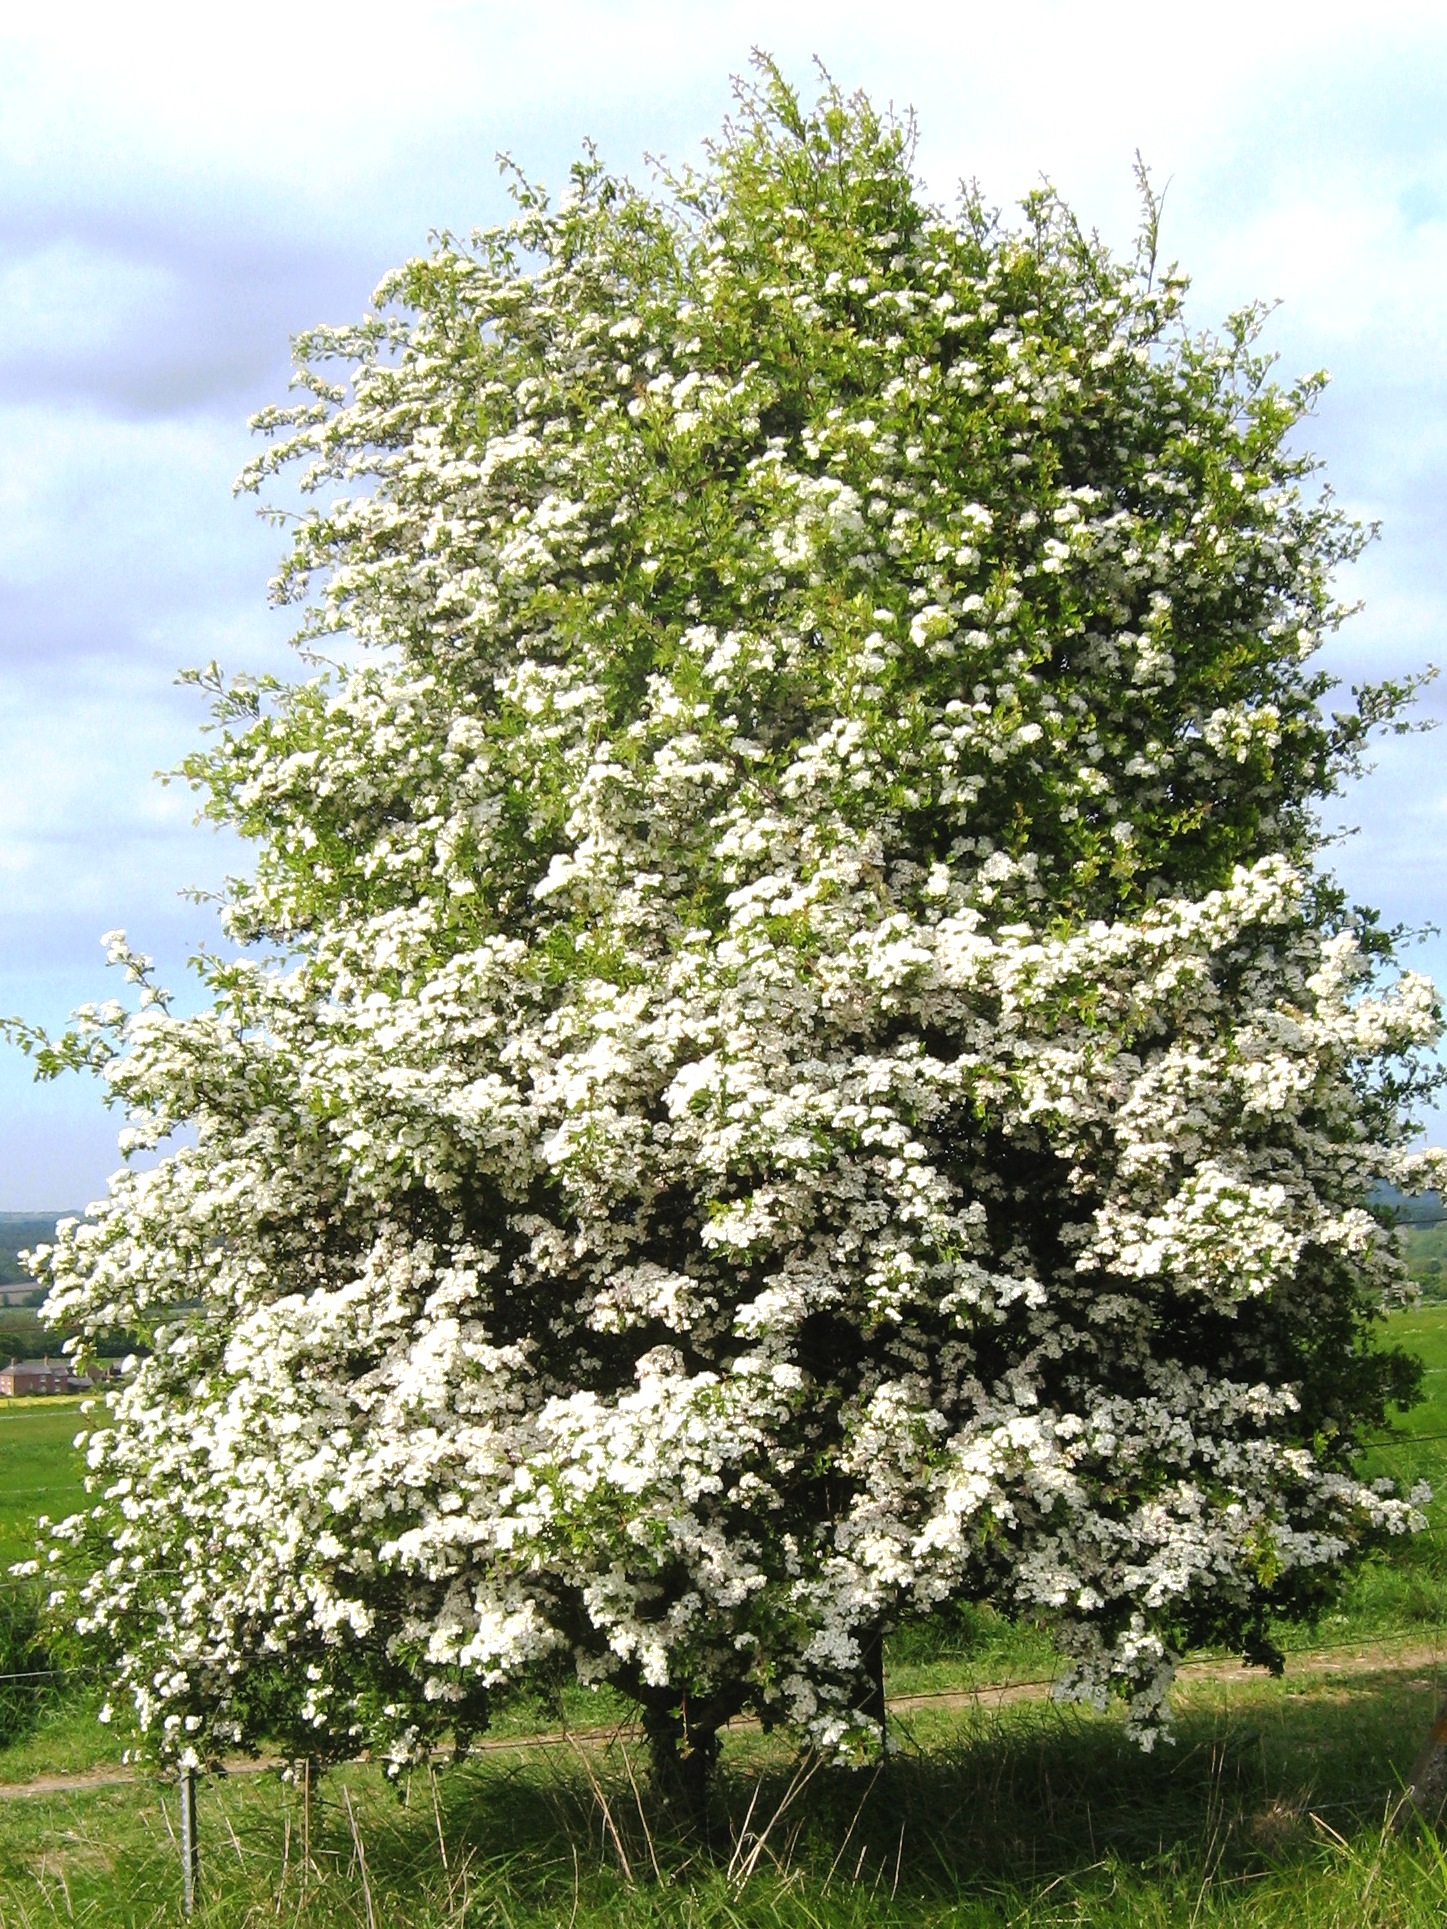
<point>39,1376</point>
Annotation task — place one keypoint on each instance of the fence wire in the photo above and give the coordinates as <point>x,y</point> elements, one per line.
<point>33,1588</point>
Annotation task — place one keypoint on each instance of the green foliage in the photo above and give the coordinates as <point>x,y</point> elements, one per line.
<point>1023,426</point>
<point>26,1334</point>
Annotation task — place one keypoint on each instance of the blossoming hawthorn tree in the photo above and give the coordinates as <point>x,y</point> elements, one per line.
<point>787,1060</point>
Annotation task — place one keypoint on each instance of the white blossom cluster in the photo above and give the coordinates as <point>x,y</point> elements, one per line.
<point>787,1061</point>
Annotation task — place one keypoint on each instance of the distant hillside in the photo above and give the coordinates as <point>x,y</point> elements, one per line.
<point>22,1336</point>
<point>18,1230</point>
<point>1414,1209</point>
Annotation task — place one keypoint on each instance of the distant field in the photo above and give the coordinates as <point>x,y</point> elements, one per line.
<point>39,1470</point>
<point>1409,1592</point>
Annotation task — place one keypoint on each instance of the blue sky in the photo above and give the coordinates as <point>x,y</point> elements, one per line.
<point>183,188</point>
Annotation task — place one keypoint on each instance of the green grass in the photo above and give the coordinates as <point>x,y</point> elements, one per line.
<point>1268,1810</point>
<point>47,1717</point>
<point>40,1471</point>
<point>1407,1593</point>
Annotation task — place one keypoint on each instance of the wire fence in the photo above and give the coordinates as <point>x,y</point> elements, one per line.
<point>987,1688</point>
<point>32,1588</point>
<point>1377,1655</point>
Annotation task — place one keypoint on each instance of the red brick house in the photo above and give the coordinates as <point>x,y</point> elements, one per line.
<point>39,1376</point>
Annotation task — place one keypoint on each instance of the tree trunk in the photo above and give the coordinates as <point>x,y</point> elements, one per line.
<point>871,1701</point>
<point>682,1759</point>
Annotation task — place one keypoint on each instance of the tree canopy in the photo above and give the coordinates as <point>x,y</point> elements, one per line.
<point>787,1056</point>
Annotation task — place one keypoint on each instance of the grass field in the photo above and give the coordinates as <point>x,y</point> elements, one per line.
<point>1268,1809</point>
<point>39,1470</point>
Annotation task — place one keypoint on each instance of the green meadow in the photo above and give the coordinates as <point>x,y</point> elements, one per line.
<point>40,1472</point>
<point>1270,1806</point>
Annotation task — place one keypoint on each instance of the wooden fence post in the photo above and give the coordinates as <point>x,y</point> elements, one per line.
<point>1426,1790</point>
<point>190,1858</point>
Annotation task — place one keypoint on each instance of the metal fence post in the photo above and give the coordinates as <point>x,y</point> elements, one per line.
<point>189,1856</point>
